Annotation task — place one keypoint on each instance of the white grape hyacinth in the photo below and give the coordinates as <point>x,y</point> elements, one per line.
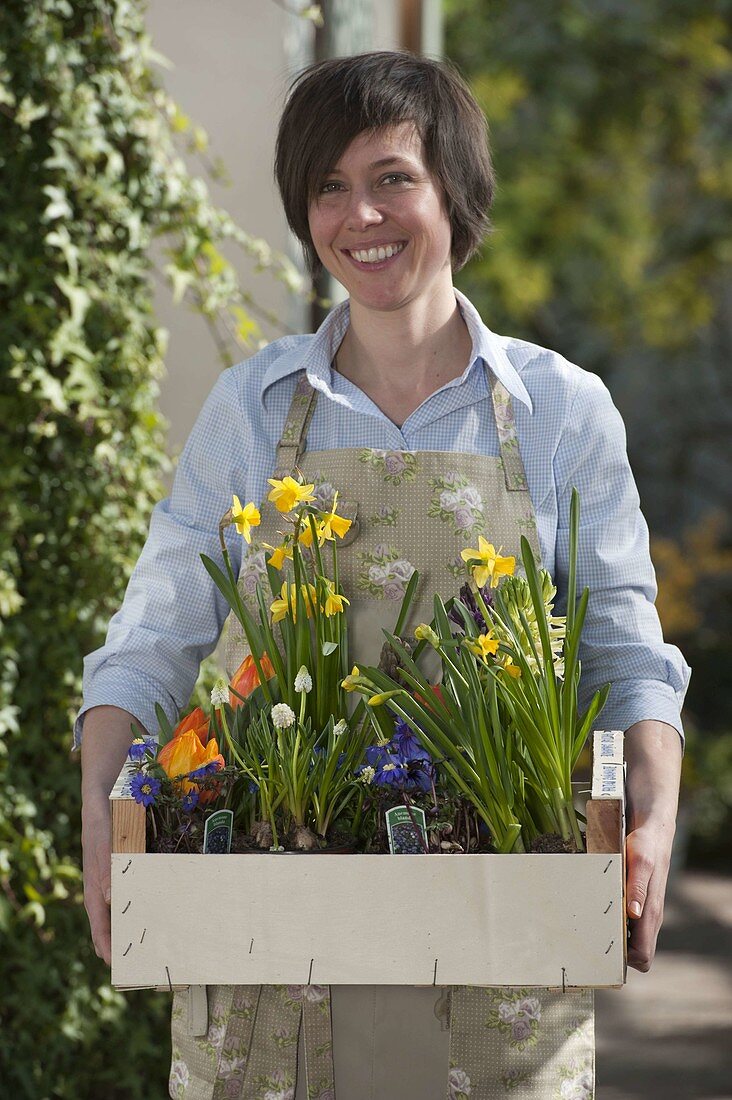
<point>220,693</point>
<point>340,728</point>
<point>282,716</point>
<point>303,680</point>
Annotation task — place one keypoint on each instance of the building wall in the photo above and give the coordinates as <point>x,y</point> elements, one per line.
<point>232,61</point>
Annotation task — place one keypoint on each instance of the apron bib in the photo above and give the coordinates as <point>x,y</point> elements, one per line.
<point>409,510</point>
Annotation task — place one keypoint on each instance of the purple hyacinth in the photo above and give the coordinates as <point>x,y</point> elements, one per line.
<point>467,599</point>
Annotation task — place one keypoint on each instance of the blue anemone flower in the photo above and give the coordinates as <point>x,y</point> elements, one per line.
<point>190,801</point>
<point>211,768</point>
<point>145,788</point>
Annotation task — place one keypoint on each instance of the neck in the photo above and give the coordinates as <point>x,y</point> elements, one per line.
<point>411,350</point>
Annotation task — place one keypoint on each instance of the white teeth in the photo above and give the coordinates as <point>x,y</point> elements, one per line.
<point>373,255</point>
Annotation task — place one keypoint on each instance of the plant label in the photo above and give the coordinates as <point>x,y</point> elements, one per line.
<point>217,833</point>
<point>407,830</point>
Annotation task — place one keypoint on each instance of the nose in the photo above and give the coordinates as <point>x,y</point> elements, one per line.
<point>363,210</point>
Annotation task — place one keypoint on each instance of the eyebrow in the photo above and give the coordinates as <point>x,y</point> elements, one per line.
<point>375,164</point>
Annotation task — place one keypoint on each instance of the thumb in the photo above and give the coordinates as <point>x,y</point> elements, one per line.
<point>640,869</point>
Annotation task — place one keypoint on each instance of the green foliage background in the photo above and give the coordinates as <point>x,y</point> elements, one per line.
<point>89,177</point>
<point>610,126</point>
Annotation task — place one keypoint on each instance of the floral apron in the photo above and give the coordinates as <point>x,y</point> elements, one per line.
<point>410,510</point>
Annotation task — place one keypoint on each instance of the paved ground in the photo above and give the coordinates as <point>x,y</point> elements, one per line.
<point>668,1034</point>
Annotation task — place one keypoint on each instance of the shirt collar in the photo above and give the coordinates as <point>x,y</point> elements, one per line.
<point>316,355</point>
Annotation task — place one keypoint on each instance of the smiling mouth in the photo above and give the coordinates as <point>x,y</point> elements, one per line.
<point>376,255</point>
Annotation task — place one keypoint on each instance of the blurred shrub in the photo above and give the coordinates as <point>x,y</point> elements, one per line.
<point>89,176</point>
<point>613,245</point>
<point>694,596</point>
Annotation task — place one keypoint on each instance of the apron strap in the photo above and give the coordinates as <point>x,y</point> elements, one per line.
<point>294,433</point>
<point>318,1025</point>
<point>237,1044</point>
<point>513,464</point>
<point>293,440</point>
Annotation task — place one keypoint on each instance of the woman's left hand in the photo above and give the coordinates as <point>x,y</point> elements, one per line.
<point>653,755</point>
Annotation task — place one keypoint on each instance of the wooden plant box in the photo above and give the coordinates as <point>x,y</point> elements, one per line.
<point>302,918</point>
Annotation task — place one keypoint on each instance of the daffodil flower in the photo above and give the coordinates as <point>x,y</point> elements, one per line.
<point>334,601</point>
<point>383,697</point>
<point>425,633</point>
<point>509,667</point>
<point>285,494</point>
<point>483,646</point>
<point>305,536</point>
<point>245,518</point>
<point>332,524</point>
<point>350,682</point>
<point>287,603</point>
<point>486,563</point>
<point>279,554</point>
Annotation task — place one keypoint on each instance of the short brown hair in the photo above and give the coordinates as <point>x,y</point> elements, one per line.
<point>333,101</point>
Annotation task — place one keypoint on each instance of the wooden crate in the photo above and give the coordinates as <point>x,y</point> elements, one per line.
<point>301,918</point>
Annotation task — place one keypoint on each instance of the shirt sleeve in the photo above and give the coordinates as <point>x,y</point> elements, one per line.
<point>173,613</point>
<point>622,641</point>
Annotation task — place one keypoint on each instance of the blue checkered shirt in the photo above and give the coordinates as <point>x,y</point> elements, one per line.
<point>570,434</point>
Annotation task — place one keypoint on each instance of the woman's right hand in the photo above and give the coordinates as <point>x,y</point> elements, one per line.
<point>106,738</point>
<point>97,848</point>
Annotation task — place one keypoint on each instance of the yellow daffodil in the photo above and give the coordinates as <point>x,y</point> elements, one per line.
<point>334,601</point>
<point>484,645</point>
<point>287,603</point>
<point>509,667</point>
<point>349,684</point>
<point>305,535</point>
<point>425,633</point>
<point>332,524</point>
<point>245,518</point>
<point>286,493</point>
<point>486,563</point>
<point>382,697</point>
<point>279,554</point>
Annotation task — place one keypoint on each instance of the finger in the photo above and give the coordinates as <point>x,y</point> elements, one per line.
<point>99,921</point>
<point>640,870</point>
<point>644,934</point>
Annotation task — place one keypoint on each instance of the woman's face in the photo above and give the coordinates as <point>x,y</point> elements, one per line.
<point>379,224</point>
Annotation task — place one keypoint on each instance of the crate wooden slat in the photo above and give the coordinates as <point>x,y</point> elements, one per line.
<point>294,919</point>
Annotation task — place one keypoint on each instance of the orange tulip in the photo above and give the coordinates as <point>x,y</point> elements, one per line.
<point>197,721</point>
<point>187,751</point>
<point>246,677</point>
<point>437,690</point>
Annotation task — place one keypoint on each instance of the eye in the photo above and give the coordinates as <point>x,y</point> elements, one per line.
<point>397,177</point>
<point>329,187</point>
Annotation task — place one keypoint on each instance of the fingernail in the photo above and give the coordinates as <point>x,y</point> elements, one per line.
<point>635,908</point>
<point>108,896</point>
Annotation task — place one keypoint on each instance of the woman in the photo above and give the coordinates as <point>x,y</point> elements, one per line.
<point>402,400</point>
